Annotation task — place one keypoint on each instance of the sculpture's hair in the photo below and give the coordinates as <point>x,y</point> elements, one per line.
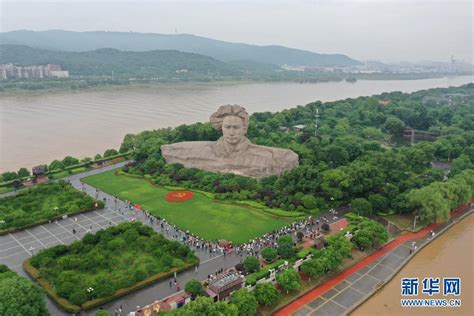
<point>229,110</point>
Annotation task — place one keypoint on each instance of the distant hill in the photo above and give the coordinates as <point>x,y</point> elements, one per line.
<point>223,51</point>
<point>105,61</point>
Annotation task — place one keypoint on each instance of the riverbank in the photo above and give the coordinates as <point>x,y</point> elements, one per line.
<point>350,288</point>
<point>39,127</point>
<point>99,84</point>
<point>442,252</point>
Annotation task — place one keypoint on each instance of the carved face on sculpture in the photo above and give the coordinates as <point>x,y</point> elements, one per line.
<point>233,121</point>
<point>232,152</point>
<point>233,129</point>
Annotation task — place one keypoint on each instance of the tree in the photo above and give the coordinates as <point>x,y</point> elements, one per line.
<point>110,152</point>
<point>266,294</point>
<point>245,301</point>
<point>9,176</point>
<point>269,254</point>
<point>362,239</point>
<point>23,173</point>
<point>285,247</point>
<point>102,313</point>
<point>340,244</point>
<point>55,165</point>
<point>394,126</point>
<point>103,286</point>
<point>206,306</point>
<point>18,296</point>
<point>70,161</point>
<point>429,203</point>
<point>325,227</point>
<point>379,202</point>
<point>97,157</point>
<point>335,182</point>
<point>251,264</point>
<point>361,206</point>
<point>335,155</point>
<point>300,236</point>
<point>461,163</point>
<point>366,233</point>
<point>194,287</point>
<point>309,201</point>
<point>289,280</point>
<point>313,268</point>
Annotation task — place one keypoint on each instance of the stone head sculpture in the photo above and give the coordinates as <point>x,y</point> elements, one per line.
<point>232,152</point>
<point>233,121</point>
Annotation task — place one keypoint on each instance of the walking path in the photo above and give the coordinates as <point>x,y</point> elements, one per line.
<point>349,288</point>
<point>16,247</point>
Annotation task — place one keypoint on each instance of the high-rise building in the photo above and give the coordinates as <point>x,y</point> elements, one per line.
<point>10,71</point>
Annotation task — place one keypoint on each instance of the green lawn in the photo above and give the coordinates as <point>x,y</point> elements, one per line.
<point>404,221</point>
<point>201,215</point>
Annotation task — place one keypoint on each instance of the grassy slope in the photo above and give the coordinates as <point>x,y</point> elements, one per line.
<point>202,216</point>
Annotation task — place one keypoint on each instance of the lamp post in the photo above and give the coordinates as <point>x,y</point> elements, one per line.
<point>316,116</point>
<point>414,222</point>
<point>90,290</point>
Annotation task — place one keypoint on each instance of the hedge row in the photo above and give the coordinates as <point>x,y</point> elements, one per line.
<point>252,278</point>
<point>305,252</point>
<point>44,221</point>
<point>75,309</point>
<point>272,211</point>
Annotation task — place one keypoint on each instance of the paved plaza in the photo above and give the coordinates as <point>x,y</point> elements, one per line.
<point>16,247</point>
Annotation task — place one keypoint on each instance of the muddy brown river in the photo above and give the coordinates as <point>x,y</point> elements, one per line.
<point>39,127</point>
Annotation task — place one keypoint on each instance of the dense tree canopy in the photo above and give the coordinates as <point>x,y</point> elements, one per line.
<point>245,301</point>
<point>266,294</point>
<point>351,158</point>
<point>19,296</point>
<point>206,306</point>
<point>110,259</point>
<point>289,279</point>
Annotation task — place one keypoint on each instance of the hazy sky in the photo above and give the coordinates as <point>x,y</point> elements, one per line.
<point>379,29</point>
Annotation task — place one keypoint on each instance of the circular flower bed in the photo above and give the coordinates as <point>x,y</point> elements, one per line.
<point>179,196</point>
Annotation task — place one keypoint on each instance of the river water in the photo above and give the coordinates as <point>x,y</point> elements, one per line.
<point>41,126</point>
<point>450,255</point>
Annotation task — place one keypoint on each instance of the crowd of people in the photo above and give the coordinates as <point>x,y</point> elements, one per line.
<point>309,227</point>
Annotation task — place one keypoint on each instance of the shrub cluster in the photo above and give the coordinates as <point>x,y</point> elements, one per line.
<point>41,203</point>
<point>115,258</point>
